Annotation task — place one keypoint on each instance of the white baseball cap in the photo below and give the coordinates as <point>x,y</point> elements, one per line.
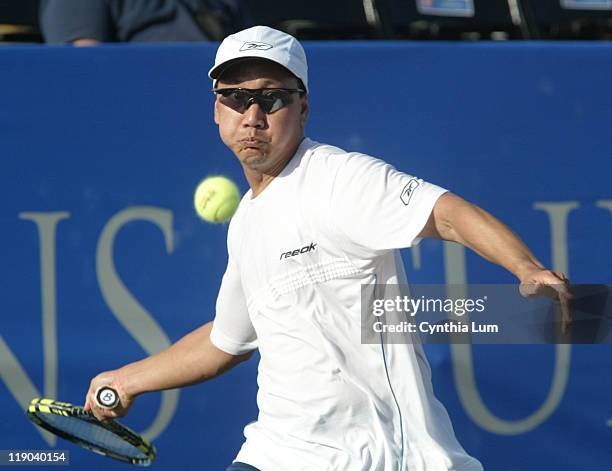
<point>262,42</point>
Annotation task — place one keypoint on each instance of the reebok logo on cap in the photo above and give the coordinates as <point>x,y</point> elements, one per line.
<point>250,45</point>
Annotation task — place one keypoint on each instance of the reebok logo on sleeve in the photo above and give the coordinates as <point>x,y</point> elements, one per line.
<point>408,190</point>
<point>293,253</point>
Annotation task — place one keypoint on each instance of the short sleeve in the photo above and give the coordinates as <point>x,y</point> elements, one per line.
<point>232,330</point>
<point>63,21</point>
<point>378,208</point>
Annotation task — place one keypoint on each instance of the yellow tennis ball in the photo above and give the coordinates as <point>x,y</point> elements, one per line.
<point>216,199</point>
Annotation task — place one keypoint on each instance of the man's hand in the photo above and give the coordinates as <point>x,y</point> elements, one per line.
<point>554,285</point>
<point>111,379</point>
<point>191,360</point>
<point>457,220</point>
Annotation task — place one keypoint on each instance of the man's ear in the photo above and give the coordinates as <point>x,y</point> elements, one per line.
<point>304,111</point>
<point>216,112</point>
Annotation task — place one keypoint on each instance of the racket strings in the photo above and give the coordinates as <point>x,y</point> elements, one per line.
<point>90,432</point>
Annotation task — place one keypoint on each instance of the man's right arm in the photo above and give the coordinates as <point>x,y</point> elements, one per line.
<point>193,359</point>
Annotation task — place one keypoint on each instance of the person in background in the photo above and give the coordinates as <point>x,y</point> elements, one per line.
<point>87,23</point>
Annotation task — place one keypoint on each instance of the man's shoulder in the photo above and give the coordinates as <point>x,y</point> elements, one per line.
<point>318,153</point>
<point>331,159</point>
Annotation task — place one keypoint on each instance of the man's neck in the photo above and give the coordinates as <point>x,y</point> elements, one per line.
<point>259,179</point>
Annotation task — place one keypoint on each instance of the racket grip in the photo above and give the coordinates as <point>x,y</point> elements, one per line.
<point>106,397</point>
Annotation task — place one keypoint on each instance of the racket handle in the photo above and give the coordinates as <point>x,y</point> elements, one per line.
<point>106,397</point>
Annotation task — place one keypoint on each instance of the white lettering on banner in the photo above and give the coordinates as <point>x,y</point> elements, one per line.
<point>605,204</point>
<point>147,332</point>
<point>11,371</point>
<point>415,253</point>
<point>131,314</point>
<point>463,361</point>
<point>558,214</point>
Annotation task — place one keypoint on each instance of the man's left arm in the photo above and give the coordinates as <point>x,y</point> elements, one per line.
<point>457,220</point>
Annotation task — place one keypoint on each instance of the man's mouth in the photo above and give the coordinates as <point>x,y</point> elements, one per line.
<point>253,143</point>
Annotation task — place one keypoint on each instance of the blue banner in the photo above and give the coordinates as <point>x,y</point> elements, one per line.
<point>104,260</point>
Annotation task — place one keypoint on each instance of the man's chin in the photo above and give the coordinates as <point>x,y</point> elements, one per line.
<point>252,158</point>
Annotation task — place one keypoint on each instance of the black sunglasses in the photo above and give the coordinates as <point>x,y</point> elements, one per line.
<point>269,99</point>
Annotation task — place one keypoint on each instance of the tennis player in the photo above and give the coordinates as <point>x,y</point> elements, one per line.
<point>316,225</point>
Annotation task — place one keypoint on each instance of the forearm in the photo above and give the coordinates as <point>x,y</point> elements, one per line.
<point>193,359</point>
<point>478,230</point>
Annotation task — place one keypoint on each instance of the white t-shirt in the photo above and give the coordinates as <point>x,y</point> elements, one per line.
<point>298,255</point>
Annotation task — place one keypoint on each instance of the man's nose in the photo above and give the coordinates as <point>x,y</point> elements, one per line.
<point>254,116</point>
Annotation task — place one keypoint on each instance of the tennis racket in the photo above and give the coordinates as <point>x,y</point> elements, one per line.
<point>75,424</point>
